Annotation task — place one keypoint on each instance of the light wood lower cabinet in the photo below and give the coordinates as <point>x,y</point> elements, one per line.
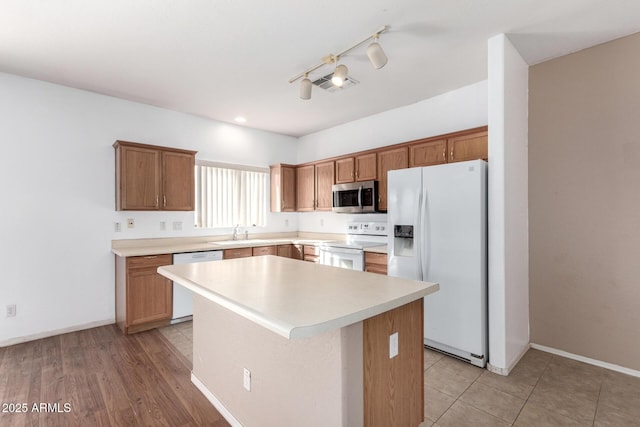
<point>375,263</point>
<point>311,253</point>
<point>237,253</point>
<point>264,250</point>
<point>144,298</point>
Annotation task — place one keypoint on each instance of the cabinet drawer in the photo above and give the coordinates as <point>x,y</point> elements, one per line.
<point>149,261</point>
<point>311,250</point>
<point>237,253</point>
<point>375,258</point>
<point>376,268</point>
<point>264,250</point>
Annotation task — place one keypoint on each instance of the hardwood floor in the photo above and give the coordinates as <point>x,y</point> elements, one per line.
<point>99,377</point>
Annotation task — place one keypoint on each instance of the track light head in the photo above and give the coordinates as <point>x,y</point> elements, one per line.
<point>376,55</point>
<point>305,88</point>
<point>339,75</point>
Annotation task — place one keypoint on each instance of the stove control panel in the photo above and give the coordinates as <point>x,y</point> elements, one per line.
<point>367,228</point>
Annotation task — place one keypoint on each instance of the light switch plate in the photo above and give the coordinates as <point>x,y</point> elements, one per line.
<point>393,345</point>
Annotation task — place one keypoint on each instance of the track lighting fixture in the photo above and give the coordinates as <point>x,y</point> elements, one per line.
<point>376,56</point>
<point>375,53</point>
<point>305,87</point>
<point>339,75</point>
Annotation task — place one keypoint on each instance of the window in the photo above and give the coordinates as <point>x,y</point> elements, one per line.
<point>227,195</point>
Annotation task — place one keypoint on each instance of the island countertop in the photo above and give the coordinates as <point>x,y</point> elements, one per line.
<point>296,299</point>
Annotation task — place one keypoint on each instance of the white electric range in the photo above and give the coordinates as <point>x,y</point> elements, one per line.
<point>350,254</point>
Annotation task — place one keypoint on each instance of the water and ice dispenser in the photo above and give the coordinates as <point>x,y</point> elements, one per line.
<point>403,240</point>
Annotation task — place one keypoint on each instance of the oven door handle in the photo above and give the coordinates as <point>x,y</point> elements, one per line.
<point>342,251</point>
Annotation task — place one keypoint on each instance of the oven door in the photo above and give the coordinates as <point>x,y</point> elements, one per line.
<point>342,257</point>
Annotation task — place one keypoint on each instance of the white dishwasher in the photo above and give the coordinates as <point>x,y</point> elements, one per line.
<point>183,297</point>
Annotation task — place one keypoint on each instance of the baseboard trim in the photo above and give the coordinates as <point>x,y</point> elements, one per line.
<point>215,402</point>
<point>588,360</point>
<point>47,334</point>
<point>506,371</point>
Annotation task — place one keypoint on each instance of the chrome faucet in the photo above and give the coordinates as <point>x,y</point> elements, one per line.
<point>235,232</point>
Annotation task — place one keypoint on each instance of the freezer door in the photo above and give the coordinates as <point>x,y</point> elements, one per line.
<point>404,197</point>
<point>455,255</point>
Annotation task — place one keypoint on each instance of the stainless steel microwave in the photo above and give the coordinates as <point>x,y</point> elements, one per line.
<point>356,197</point>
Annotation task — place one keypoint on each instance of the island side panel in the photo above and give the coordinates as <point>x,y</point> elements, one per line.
<point>312,382</point>
<point>394,387</point>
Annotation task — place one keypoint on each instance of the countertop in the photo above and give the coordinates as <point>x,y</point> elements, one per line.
<point>296,299</point>
<point>382,249</point>
<point>174,246</point>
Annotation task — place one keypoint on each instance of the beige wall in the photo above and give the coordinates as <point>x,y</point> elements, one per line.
<point>302,382</point>
<point>584,202</point>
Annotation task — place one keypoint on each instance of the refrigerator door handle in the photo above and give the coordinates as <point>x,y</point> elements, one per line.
<point>424,236</point>
<point>417,237</point>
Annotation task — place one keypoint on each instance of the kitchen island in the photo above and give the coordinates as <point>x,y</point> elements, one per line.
<point>318,343</point>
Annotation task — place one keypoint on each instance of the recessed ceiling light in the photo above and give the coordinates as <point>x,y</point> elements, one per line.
<point>240,119</point>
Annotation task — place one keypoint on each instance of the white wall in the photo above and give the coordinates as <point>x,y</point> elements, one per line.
<point>58,210</point>
<point>460,109</point>
<point>508,205</point>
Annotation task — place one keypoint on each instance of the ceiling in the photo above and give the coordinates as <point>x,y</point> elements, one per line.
<point>226,58</point>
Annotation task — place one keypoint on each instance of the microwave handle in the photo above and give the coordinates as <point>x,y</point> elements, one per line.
<point>360,197</point>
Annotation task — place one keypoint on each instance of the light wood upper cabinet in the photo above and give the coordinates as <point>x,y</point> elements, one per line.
<point>305,188</point>
<point>178,181</point>
<point>366,167</point>
<point>468,147</point>
<point>283,188</point>
<point>313,187</point>
<point>396,158</point>
<point>428,153</point>
<point>358,168</point>
<point>149,177</point>
<point>325,178</point>
<point>345,170</point>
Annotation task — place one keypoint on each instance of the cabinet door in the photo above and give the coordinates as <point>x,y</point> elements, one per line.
<point>178,181</point>
<point>237,253</point>
<point>469,147</point>
<point>366,168</point>
<point>283,188</point>
<point>345,170</point>
<point>297,252</point>
<point>428,153</point>
<point>264,250</point>
<point>149,296</point>
<point>325,179</point>
<point>397,158</point>
<point>305,186</point>
<point>139,173</point>
<point>285,251</point>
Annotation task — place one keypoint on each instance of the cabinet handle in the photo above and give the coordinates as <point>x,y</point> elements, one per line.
<point>351,174</point>
<point>356,174</point>
<point>444,155</point>
<point>164,201</point>
<point>451,154</point>
<point>156,200</point>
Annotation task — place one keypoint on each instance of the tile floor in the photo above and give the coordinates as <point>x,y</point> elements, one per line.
<point>542,390</point>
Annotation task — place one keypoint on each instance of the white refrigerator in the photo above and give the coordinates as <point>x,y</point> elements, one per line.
<point>438,233</point>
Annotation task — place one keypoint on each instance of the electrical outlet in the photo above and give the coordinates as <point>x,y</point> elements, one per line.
<point>246,379</point>
<point>163,225</point>
<point>11,310</point>
<point>286,222</point>
<point>177,225</point>
<point>117,227</point>
<point>130,223</point>
<point>321,222</point>
<point>393,345</point>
